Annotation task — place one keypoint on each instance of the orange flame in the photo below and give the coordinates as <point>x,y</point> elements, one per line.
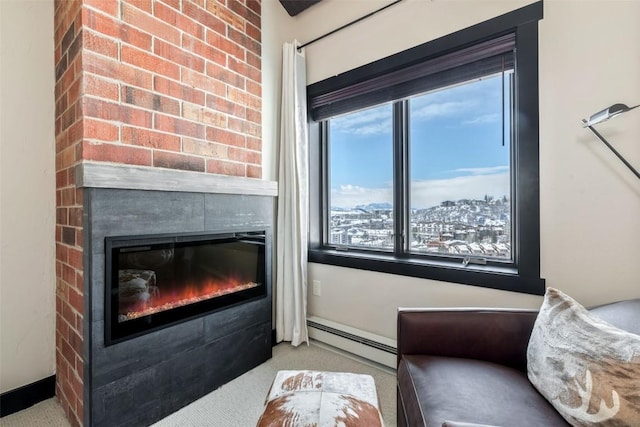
<point>189,294</point>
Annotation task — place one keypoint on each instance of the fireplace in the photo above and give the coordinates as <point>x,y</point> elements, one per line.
<point>141,367</point>
<point>156,281</point>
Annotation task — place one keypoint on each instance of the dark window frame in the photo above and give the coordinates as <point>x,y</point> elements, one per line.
<point>523,275</point>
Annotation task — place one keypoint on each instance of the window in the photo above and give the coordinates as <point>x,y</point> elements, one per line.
<point>426,163</point>
<point>360,153</point>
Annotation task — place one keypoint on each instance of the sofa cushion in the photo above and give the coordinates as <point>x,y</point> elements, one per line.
<point>588,369</point>
<point>434,389</point>
<point>622,314</point>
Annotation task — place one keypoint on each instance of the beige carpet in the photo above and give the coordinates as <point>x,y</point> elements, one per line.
<point>240,402</point>
<point>46,413</point>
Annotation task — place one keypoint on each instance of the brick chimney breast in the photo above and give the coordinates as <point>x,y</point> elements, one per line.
<point>170,84</point>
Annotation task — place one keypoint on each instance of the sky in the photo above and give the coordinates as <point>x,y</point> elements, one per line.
<point>456,148</point>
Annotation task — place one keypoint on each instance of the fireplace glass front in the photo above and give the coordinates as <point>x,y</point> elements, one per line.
<point>156,281</point>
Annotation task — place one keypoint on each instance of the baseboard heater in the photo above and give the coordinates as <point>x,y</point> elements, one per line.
<point>370,346</point>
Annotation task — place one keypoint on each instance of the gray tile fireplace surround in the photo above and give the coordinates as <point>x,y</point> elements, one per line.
<point>141,380</point>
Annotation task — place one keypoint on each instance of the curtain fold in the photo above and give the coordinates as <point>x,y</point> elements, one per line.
<point>293,202</point>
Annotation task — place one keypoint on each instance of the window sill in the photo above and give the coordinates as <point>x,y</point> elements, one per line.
<point>486,276</point>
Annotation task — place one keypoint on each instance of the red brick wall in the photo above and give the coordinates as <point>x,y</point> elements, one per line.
<point>69,134</point>
<point>160,83</point>
<point>173,84</point>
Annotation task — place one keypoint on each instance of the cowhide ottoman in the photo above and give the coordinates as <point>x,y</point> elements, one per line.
<point>321,399</point>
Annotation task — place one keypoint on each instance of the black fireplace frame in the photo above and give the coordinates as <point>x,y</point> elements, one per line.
<point>115,332</point>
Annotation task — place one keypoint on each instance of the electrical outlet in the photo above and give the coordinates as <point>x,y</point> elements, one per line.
<point>316,288</point>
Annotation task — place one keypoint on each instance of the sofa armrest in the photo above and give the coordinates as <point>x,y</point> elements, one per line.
<point>494,335</point>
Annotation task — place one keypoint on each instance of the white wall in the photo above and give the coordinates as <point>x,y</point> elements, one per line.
<point>274,33</point>
<point>274,24</point>
<point>590,203</point>
<point>27,193</point>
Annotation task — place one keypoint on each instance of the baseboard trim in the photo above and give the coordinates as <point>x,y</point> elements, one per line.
<point>370,346</point>
<point>28,395</point>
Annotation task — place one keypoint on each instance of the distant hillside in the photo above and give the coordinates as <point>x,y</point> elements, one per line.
<point>375,206</point>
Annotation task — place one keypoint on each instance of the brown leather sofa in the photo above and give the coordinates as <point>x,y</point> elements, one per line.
<point>468,367</point>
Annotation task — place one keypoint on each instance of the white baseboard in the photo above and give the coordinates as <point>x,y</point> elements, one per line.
<point>364,344</point>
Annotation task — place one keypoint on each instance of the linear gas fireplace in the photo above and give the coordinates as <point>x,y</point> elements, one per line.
<point>156,281</point>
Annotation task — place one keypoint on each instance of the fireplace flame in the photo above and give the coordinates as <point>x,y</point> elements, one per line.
<point>154,300</point>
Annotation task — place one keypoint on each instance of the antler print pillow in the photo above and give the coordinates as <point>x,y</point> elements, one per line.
<point>586,368</point>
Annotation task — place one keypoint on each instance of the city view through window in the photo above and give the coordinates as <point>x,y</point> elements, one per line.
<point>459,173</point>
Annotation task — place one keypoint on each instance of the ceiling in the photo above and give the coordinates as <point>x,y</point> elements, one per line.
<point>294,7</point>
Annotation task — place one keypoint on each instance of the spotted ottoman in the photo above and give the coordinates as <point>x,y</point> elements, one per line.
<point>321,399</point>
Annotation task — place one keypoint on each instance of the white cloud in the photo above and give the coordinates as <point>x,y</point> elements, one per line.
<point>483,171</point>
<point>466,102</point>
<point>349,196</point>
<point>483,119</point>
<point>364,116</point>
<point>374,128</point>
<point>429,193</point>
<point>441,109</point>
<point>367,122</point>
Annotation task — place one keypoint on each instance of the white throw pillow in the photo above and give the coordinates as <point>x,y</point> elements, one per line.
<point>586,368</point>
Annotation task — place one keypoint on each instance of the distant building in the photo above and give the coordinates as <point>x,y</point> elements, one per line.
<point>478,227</point>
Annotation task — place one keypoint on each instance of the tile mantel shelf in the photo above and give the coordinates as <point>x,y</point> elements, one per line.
<point>110,175</point>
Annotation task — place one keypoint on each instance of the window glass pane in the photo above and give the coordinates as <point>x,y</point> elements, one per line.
<point>360,152</point>
<point>460,170</point>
